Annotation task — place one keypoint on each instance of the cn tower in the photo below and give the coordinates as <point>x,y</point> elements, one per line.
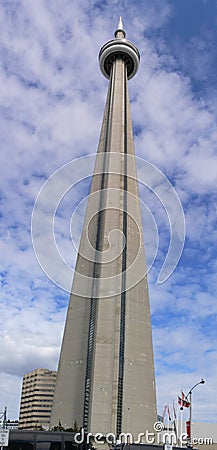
<point>105,379</point>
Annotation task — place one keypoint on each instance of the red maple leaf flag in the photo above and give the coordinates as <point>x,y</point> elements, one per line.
<point>183,401</point>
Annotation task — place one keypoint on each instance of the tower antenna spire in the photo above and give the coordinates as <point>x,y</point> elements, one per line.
<point>120,24</point>
<point>120,32</point>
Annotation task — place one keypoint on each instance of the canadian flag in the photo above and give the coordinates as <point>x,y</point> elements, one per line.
<point>183,401</point>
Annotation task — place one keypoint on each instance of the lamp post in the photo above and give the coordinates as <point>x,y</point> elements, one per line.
<point>202,381</point>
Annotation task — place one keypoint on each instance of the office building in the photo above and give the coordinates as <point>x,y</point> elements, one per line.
<point>36,399</point>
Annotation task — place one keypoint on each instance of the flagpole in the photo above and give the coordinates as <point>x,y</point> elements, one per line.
<point>168,420</point>
<point>177,433</point>
<point>175,423</point>
<point>183,401</point>
<point>164,413</point>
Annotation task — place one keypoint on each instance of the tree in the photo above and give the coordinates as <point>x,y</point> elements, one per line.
<point>73,429</point>
<point>58,427</point>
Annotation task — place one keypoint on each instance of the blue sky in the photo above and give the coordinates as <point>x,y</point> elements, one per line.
<point>52,101</point>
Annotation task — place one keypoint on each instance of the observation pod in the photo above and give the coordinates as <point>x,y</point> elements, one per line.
<point>119,48</point>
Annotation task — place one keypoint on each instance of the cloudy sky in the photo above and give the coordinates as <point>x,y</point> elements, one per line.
<point>52,101</point>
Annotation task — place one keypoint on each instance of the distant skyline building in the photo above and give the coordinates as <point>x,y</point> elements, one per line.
<point>36,399</point>
<point>105,379</point>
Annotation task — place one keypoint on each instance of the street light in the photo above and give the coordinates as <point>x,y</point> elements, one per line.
<point>202,381</point>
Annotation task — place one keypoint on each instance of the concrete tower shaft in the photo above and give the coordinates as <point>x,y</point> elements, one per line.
<point>105,377</point>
